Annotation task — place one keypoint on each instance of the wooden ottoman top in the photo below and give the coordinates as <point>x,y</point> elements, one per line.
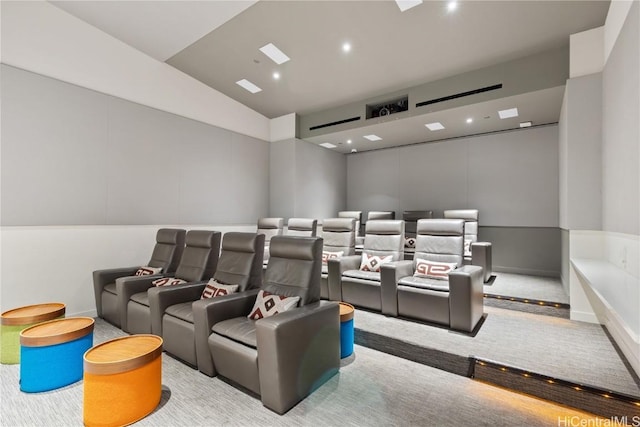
<point>31,314</point>
<point>122,354</point>
<point>346,312</point>
<point>56,331</point>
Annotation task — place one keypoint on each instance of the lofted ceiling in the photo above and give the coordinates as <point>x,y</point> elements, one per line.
<point>217,42</point>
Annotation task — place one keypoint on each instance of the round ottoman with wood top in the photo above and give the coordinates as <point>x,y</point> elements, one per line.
<point>346,329</point>
<point>51,353</point>
<point>14,321</point>
<point>122,380</point>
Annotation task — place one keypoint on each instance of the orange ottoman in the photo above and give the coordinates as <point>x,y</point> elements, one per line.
<point>14,321</point>
<point>122,380</point>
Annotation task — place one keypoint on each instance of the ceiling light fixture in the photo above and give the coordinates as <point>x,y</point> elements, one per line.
<point>346,47</point>
<point>434,126</point>
<point>276,75</point>
<point>452,5</point>
<point>275,54</point>
<point>353,150</point>
<point>349,141</point>
<point>407,4</point>
<point>248,86</point>
<point>372,137</point>
<point>328,145</point>
<point>506,114</point>
<point>525,124</point>
<point>469,120</point>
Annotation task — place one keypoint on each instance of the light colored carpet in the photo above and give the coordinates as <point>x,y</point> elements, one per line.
<point>560,348</point>
<point>372,389</point>
<point>522,286</point>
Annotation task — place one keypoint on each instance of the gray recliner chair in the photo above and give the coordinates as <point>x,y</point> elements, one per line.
<point>240,264</point>
<point>373,215</point>
<point>284,357</point>
<point>269,227</point>
<point>303,227</point>
<point>476,253</point>
<point>199,260</point>
<point>357,215</point>
<point>166,255</point>
<point>339,235</point>
<point>410,224</point>
<point>362,288</point>
<point>456,301</point>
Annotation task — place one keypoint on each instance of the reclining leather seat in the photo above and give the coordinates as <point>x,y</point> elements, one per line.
<point>339,235</point>
<point>240,264</point>
<point>269,227</point>
<point>166,255</point>
<point>410,224</point>
<point>456,302</point>
<point>362,288</point>
<point>199,260</point>
<point>304,227</point>
<point>373,215</point>
<point>284,357</point>
<point>480,251</point>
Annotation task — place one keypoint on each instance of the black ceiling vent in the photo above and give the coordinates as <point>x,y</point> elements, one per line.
<point>459,95</point>
<point>339,122</point>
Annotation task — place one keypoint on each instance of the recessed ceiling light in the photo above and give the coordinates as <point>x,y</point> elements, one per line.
<point>248,86</point>
<point>505,114</point>
<point>276,75</point>
<point>435,126</point>
<point>407,4</point>
<point>452,5</point>
<point>525,124</point>
<point>327,145</point>
<point>349,141</point>
<point>372,137</point>
<point>469,120</point>
<point>346,47</point>
<point>274,53</point>
<point>353,150</point>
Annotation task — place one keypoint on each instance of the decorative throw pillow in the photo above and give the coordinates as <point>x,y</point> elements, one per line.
<point>467,247</point>
<point>434,269</point>
<point>326,256</point>
<point>148,271</point>
<point>216,289</point>
<point>168,281</point>
<point>373,262</point>
<point>410,242</point>
<point>268,304</point>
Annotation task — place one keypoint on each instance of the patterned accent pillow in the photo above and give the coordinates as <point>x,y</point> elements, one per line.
<point>168,281</point>
<point>268,304</point>
<point>216,289</point>
<point>326,256</point>
<point>148,271</point>
<point>373,262</point>
<point>434,269</point>
<point>410,242</point>
<point>467,247</point>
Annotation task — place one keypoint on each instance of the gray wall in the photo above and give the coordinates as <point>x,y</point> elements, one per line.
<point>72,156</point>
<point>510,177</point>
<point>306,180</point>
<point>621,132</point>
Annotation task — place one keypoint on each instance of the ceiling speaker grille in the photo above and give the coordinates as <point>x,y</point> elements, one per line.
<point>339,122</point>
<point>459,95</point>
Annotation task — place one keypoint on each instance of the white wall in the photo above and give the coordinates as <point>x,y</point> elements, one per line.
<point>586,54</point>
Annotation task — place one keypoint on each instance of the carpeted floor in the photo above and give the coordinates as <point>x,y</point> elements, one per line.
<point>522,286</point>
<point>372,389</point>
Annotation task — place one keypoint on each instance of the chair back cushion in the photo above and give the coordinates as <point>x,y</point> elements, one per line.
<point>270,227</point>
<point>305,227</point>
<point>411,220</point>
<point>385,237</point>
<point>339,235</point>
<point>353,214</point>
<point>470,217</point>
<point>200,257</point>
<point>440,240</point>
<point>294,268</point>
<point>168,249</point>
<point>240,260</point>
<point>381,215</point>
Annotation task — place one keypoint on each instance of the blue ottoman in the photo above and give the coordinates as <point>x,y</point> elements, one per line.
<point>51,353</point>
<point>346,329</point>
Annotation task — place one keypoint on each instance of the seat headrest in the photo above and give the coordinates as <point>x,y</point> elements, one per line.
<point>385,226</point>
<point>381,215</point>
<point>302,224</point>
<point>466,214</point>
<point>294,247</point>
<point>416,215</point>
<point>339,224</point>
<point>239,242</point>
<point>270,223</point>
<point>201,238</point>
<point>171,236</point>
<point>441,227</point>
<point>350,214</point>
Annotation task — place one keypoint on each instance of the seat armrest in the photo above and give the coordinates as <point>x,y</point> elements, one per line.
<point>390,274</point>
<point>208,312</point>
<point>128,286</point>
<point>335,267</point>
<point>481,256</point>
<point>101,278</point>
<point>161,298</point>
<point>298,350</point>
<point>466,297</point>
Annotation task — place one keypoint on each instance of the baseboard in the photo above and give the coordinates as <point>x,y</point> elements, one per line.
<point>88,313</point>
<point>582,316</point>
<point>527,271</point>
